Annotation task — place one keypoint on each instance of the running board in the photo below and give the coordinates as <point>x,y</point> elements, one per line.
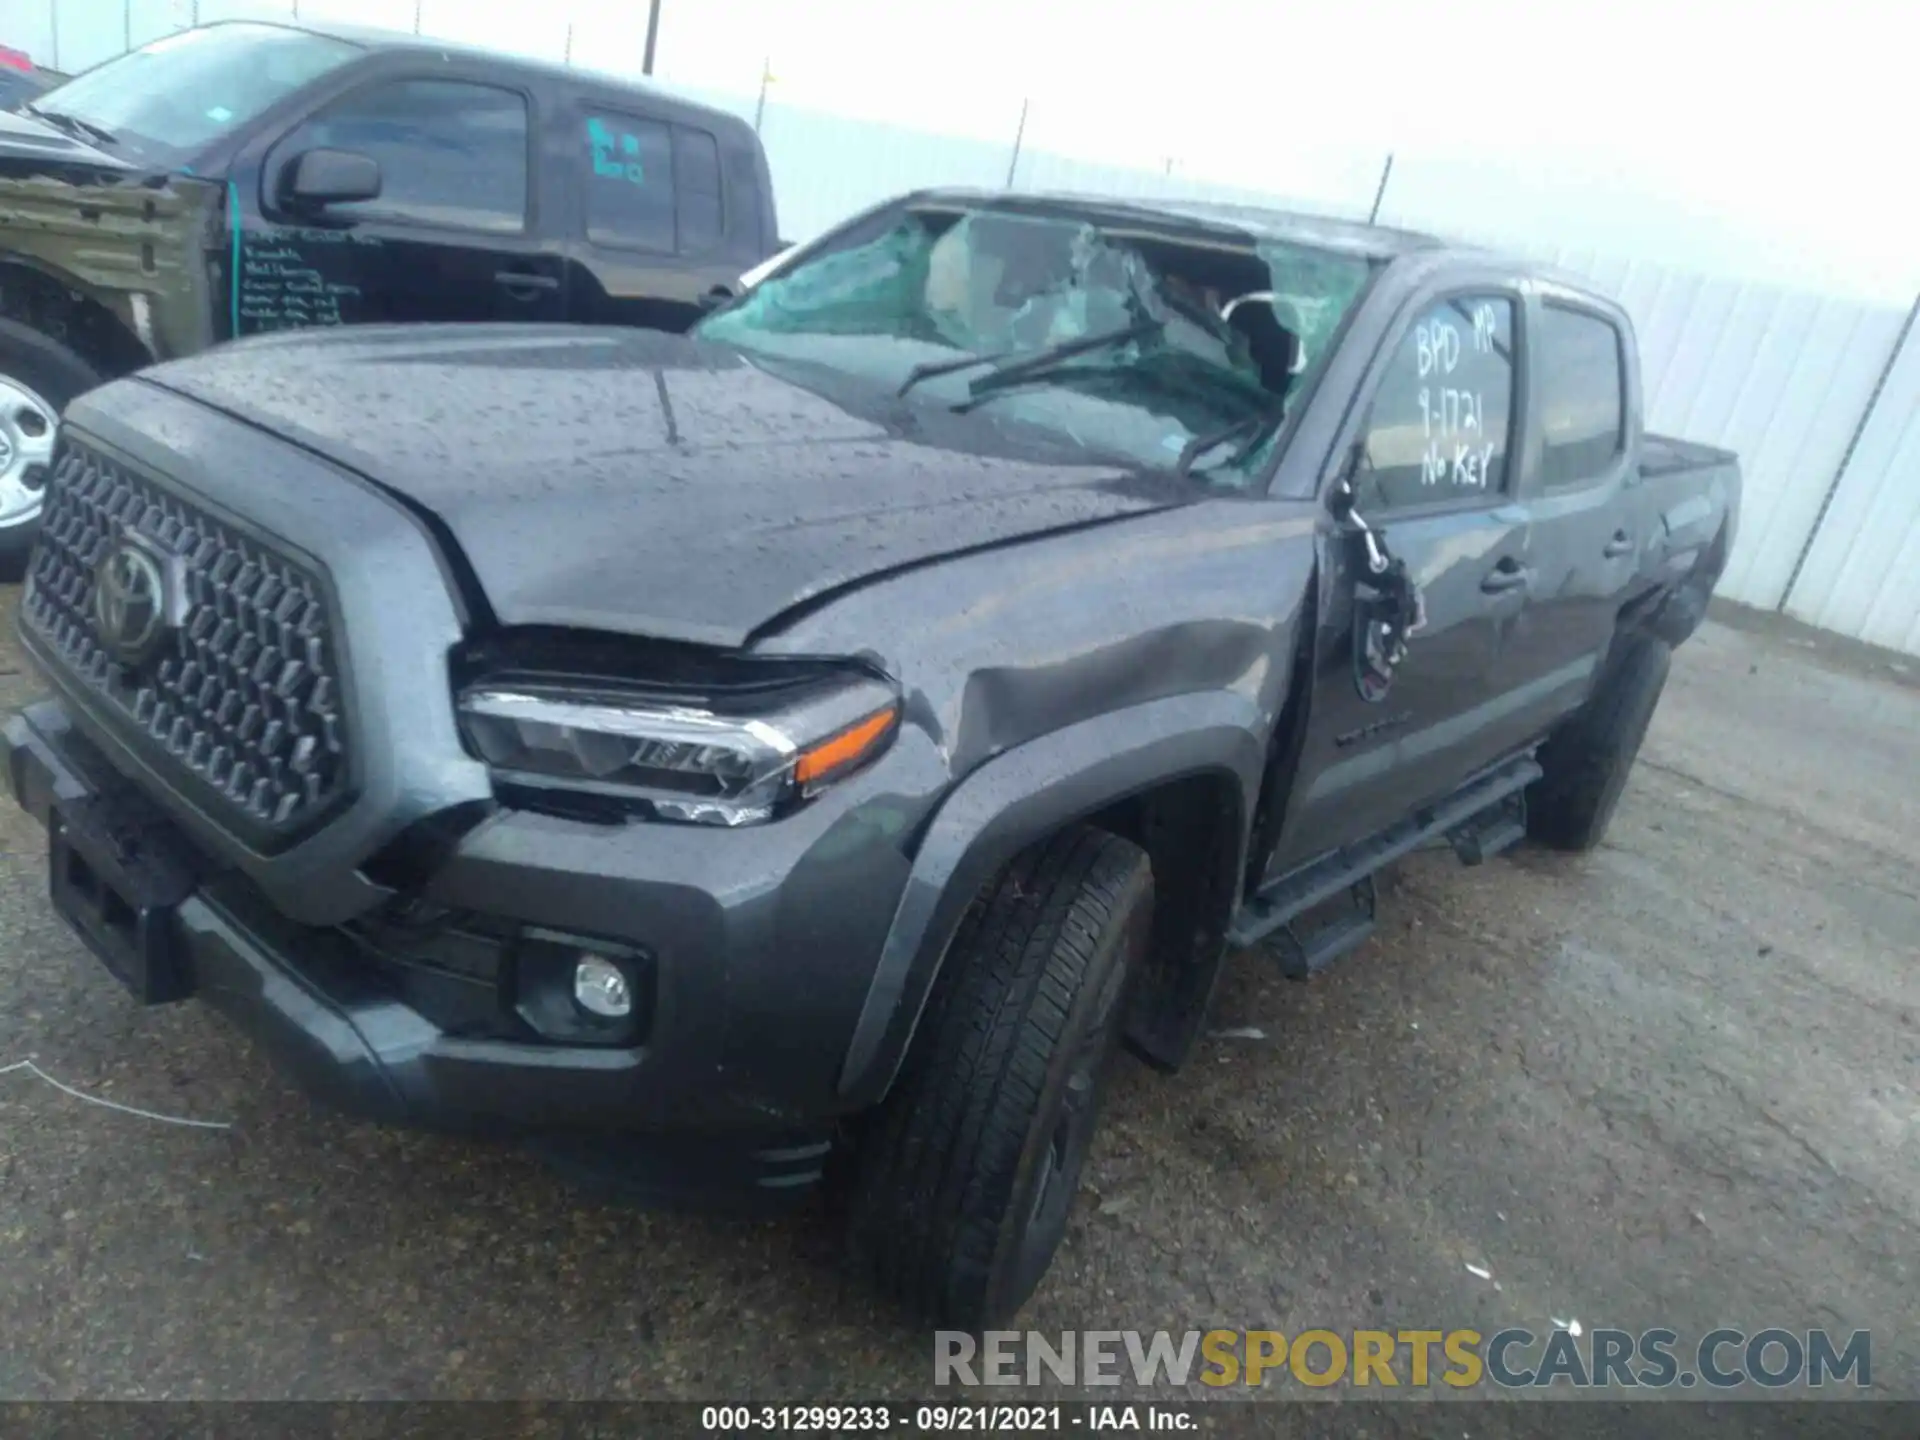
<point>1321,880</point>
<point>1497,828</point>
<point>1302,954</point>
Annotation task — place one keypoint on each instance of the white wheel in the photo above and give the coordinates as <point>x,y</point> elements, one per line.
<point>28,421</point>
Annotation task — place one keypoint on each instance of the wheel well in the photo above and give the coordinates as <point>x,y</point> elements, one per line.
<point>1674,611</point>
<point>35,299</point>
<point>1190,829</point>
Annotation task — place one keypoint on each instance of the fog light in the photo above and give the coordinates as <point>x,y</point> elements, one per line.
<point>600,988</point>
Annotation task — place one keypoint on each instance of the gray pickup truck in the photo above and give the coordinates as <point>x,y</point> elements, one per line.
<point>796,756</point>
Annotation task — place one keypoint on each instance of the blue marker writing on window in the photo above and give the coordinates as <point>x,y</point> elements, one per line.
<point>608,153</point>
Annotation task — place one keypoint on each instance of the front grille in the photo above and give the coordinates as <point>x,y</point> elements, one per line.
<point>243,692</point>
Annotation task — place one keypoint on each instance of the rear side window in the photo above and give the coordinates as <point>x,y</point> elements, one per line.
<point>451,153</point>
<point>1438,429</point>
<point>1582,396</point>
<point>696,187</point>
<point>652,185</point>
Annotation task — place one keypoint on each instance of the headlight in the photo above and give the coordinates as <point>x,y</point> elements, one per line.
<point>736,758</point>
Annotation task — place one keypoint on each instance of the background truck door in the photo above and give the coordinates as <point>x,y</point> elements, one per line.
<point>451,236</point>
<point>660,232</point>
<point>1436,475</point>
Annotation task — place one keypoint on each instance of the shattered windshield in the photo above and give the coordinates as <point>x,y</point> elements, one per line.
<point>1113,342</point>
<point>166,100</point>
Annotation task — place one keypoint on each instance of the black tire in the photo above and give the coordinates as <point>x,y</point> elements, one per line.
<point>962,1185</point>
<point>57,375</point>
<point>1587,761</point>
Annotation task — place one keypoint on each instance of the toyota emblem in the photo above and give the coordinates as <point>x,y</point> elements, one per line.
<point>129,602</point>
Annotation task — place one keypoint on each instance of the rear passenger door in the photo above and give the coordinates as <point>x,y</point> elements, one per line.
<point>452,235</point>
<point>1436,472</point>
<point>653,217</point>
<point>1586,542</point>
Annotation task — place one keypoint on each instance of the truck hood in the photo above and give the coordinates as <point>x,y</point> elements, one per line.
<point>27,143</point>
<point>627,480</point>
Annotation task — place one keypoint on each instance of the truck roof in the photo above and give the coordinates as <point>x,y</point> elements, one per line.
<point>1240,222</point>
<point>374,38</point>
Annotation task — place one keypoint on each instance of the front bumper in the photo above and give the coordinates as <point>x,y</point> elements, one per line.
<point>730,1093</point>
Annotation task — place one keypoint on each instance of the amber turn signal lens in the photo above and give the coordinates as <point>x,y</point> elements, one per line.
<point>845,750</point>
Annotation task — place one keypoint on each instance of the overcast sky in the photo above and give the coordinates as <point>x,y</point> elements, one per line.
<point>1787,121</point>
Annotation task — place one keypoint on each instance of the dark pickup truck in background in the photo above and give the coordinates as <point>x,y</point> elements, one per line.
<point>246,177</point>
<point>890,698</point>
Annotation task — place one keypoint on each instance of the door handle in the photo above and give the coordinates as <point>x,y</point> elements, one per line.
<point>1620,544</point>
<point>525,280</point>
<point>1509,574</point>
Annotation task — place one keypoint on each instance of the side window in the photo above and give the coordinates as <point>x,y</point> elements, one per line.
<point>451,153</point>
<point>629,181</point>
<point>1582,404</point>
<point>696,187</point>
<point>1438,429</point>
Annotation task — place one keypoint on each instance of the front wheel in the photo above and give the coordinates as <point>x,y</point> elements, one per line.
<point>38,376</point>
<point>963,1185</point>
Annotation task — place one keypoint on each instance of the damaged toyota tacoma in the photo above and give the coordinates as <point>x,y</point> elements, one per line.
<point>798,755</point>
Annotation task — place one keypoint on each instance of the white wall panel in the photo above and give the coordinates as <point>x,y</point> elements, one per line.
<point>1862,575</point>
<point>1777,375</point>
<point>1780,378</point>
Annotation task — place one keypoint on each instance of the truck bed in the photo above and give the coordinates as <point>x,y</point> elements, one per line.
<point>1665,455</point>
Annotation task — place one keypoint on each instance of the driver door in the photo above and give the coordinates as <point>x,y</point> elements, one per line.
<point>450,236</point>
<point>1435,474</point>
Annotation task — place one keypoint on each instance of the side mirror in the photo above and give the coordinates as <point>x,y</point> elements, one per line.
<point>1345,510</point>
<point>1340,498</point>
<point>315,179</point>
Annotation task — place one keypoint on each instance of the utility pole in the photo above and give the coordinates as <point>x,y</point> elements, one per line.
<point>766,79</point>
<point>653,36</point>
<point>1019,134</point>
<point>1381,193</point>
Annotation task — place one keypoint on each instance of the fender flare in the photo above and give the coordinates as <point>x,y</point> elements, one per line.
<point>1006,805</point>
<point>102,300</point>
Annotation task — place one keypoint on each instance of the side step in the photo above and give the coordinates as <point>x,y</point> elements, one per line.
<point>1497,828</point>
<point>1302,956</point>
<point>1321,880</point>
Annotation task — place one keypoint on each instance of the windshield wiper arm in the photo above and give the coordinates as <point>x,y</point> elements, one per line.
<point>1011,370</point>
<point>929,369</point>
<point>1254,428</point>
<point>73,124</point>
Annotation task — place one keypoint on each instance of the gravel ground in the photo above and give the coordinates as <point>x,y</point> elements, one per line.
<point>1670,1083</point>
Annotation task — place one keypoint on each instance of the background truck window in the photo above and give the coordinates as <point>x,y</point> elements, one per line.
<point>451,154</point>
<point>630,182</point>
<point>1582,406</point>
<point>1438,429</point>
<point>696,188</point>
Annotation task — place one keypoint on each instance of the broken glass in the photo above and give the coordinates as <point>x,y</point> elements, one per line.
<point>1005,289</point>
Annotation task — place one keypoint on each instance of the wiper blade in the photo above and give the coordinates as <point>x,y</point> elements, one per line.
<point>929,369</point>
<point>1014,370</point>
<point>73,124</point>
<point>1251,430</point>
